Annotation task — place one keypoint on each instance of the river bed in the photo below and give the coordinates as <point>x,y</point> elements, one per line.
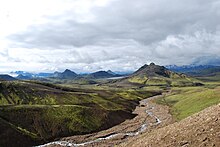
<point>145,119</point>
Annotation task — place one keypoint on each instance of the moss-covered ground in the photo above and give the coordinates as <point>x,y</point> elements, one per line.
<point>186,101</point>
<point>42,111</point>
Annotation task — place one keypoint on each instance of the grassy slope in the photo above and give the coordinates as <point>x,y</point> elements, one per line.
<point>174,80</point>
<point>213,78</point>
<point>42,111</point>
<point>189,100</point>
<point>11,136</point>
<point>53,121</point>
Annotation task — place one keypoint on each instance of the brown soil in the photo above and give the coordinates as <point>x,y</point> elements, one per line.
<point>199,130</point>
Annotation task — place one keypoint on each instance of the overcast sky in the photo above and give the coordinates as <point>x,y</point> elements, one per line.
<point>121,35</point>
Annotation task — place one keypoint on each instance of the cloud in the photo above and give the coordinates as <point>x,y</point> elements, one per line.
<point>186,48</point>
<point>120,34</point>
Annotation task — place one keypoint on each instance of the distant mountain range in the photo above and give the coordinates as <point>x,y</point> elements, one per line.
<point>191,70</point>
<point>196,70</point>
<point>7,78</point>
<point>27,75</point>
<point>67,74</point>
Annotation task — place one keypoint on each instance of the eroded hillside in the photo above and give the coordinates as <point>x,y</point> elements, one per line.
<point>201,129</point>
<point>36,112</point>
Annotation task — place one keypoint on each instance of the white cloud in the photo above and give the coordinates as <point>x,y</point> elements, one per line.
<point>89,35</point>
<point>16,16</point>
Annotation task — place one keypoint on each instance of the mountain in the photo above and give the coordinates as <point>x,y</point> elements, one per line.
<point>153,70</point>
<point>7,78</point>
<point>22,73</point>
<point>43,75</point>
<point>111,72</point>
<point>22,77</point>
<point>67,74</point>
<point>155,75</point>
<point>28,75</point>
<point>196,70</point>
<point>100,74</point>
<point>103,74</point>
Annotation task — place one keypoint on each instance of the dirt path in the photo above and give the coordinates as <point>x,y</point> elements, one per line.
<point>149,116</point>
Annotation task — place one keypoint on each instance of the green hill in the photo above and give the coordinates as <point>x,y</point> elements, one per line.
<point>41,112</point>
<point>186,101</point>
<point>155,75</point>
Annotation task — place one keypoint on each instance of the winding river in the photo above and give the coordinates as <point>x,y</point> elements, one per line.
<point>141,129</point>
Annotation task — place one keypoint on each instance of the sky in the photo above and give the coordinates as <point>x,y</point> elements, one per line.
<point>120,35</point>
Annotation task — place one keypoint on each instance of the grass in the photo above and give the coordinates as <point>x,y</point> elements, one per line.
<point>19,129</point>
<point>51,111</point>
<point>214,78</point>
<point>136,79</point>
<point>158,81</point>
<point>186,101</point>
<point>51,121</point>
<point>174,81</point>
<point>48,111</point>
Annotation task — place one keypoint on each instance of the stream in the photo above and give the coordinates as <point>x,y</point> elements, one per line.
<point>141,129</point>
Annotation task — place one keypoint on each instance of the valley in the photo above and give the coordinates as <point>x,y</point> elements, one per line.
<point>109,73</point>
<point>42,113</point>
<point>148,117</point>
<point>107,112</point>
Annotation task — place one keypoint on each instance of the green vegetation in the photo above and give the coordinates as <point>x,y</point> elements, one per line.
<point>44,111</point>
<point>37,112</point>
<point>53,121</point>
<point>139,80</point>
<point>213,78</point>
<point>154,75</point>
<point>186,101</point>
<point>163,81</point>
<point>19,129</point>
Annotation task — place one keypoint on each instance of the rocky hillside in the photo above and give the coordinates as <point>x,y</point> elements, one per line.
<point>155,75</point>
<point>67,74</point>
<point>201,129</point>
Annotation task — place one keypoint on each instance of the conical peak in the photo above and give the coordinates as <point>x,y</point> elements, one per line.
<point>152,64</point>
